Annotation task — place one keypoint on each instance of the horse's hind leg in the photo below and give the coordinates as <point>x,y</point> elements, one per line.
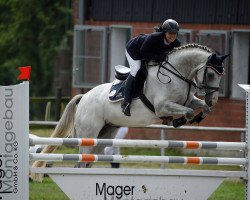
<point>107,132</point>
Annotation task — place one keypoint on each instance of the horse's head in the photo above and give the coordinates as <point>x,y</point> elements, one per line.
<point>210,79</point>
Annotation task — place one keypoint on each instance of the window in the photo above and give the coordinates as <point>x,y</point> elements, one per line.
<point>119,35</point>
<point>240,62</point>
<point>89,56</point>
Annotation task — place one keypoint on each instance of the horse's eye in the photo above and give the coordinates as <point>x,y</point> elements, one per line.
<point>210,75</point>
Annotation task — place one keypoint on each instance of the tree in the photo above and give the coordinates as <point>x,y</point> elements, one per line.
<point>31,32</point>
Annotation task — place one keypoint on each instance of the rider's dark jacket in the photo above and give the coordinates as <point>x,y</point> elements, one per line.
<point>149,46</point>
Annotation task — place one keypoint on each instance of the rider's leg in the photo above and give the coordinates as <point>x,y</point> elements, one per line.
<point>128,95</point>
<point>121,134</point>
<point>134,67</point>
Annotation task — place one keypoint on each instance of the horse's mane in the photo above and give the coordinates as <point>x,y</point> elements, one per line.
<point>194,45</point>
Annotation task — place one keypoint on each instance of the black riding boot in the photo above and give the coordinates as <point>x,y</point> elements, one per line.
<point>128,95</point>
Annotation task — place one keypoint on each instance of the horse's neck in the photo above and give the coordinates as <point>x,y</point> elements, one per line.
<point>188,62</point>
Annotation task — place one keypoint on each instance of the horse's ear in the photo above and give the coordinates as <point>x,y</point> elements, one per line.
<point>225,56</point>
<point>213,55</point>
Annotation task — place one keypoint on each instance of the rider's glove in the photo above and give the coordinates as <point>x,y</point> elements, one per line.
<point>160,57</point>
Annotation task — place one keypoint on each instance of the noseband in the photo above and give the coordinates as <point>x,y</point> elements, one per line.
<point>204,85</point>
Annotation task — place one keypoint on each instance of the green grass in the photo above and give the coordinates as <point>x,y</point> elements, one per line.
<point>48,190</point>
<point>230,190</point>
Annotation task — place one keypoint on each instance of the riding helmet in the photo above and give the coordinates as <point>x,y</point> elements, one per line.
<point>170,26</point>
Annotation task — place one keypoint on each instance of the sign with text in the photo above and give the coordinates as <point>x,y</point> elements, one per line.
<point>14,155</point>
<point>135,184</point>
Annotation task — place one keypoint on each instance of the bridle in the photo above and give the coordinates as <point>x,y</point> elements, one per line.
<point>208,89</point>
<point>219,69</point>
<point>175,72</point>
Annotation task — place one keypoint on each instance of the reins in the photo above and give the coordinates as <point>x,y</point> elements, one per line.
<point>177,74</point>
<point>190,82</point>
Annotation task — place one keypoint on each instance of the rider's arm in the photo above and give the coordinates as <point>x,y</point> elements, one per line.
<point>152,46</point>
<point>177,43</point>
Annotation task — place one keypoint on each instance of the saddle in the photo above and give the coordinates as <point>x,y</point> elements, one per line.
<point>116,93</point>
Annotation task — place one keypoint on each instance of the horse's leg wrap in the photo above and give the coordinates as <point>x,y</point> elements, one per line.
<point>197,119</point>
<point>115,165</point>
<point>179,122</point>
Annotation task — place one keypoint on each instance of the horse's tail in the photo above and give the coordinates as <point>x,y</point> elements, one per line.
<point>64,128</point>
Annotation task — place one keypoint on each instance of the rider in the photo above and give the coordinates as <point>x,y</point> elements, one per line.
<point>148,47</point>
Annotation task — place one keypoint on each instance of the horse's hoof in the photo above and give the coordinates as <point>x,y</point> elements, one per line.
<point>115,165</point>
<point>198,118</point>
<point>179,122</point>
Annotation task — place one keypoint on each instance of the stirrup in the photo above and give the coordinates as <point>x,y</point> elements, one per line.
<point>126,108</point>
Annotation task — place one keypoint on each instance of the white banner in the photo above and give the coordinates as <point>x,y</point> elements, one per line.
<point>14,143</point>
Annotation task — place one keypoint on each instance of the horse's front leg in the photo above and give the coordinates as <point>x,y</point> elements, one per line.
<point>171,109</point>
<point>197,103</point>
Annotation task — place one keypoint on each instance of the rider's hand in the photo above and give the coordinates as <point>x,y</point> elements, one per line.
<point>160,57</point>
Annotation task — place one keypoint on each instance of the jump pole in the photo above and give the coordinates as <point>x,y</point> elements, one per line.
<point>86,142</point>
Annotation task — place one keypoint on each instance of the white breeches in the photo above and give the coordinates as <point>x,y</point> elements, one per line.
<point>134,65</point>
<point>121,134</point>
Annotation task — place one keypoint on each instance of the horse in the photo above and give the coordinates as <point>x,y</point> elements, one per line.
<point>170,87</point>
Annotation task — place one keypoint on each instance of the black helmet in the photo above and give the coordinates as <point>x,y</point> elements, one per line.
<point>170,26</point>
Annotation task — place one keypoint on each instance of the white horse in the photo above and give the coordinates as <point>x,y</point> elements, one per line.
<point>170,87</point>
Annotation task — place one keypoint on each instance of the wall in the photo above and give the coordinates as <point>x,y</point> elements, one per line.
<point>184,11</point>
<point>240,62</point>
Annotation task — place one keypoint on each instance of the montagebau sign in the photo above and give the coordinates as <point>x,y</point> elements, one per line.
<point>14,114</point>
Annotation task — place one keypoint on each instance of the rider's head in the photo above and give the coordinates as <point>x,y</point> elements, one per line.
<point>171,28</point>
